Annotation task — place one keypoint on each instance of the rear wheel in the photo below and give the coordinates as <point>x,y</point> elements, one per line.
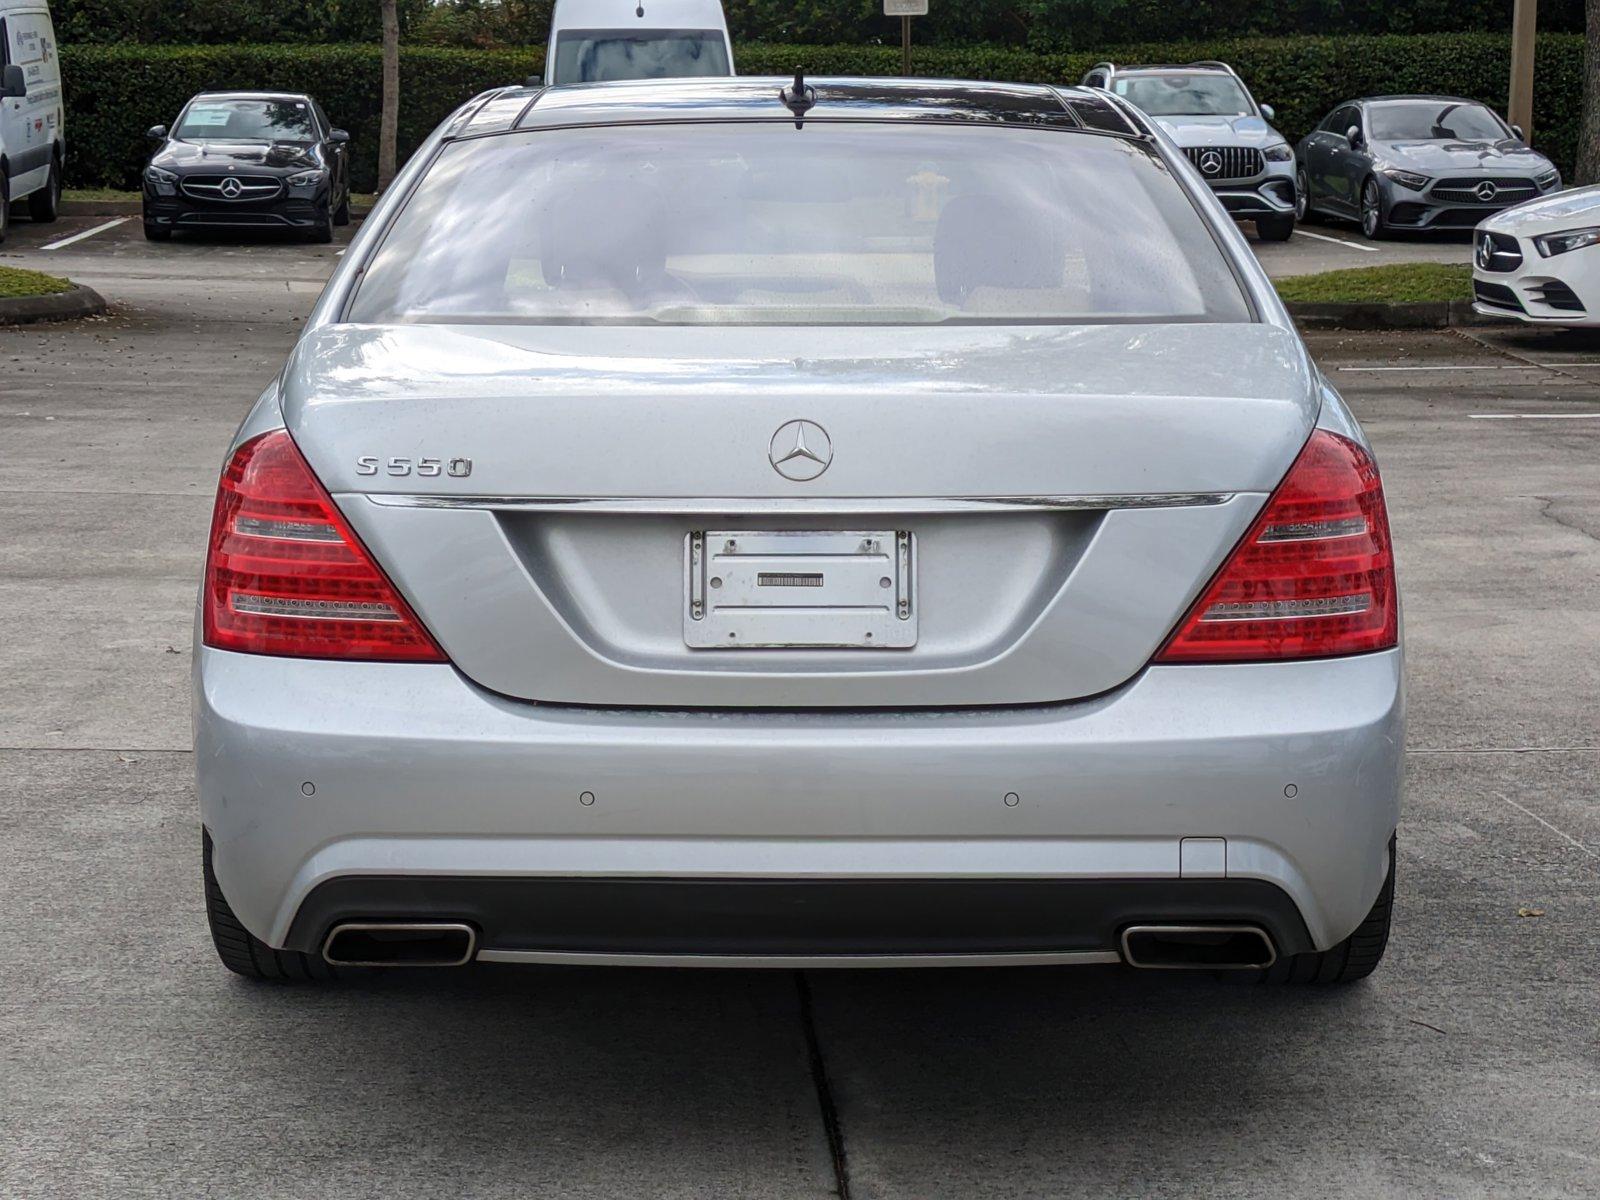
<point>1354,958</point>
<point>1373,223</point>
<point>1275,229</point>
<point>46,202</point>
<point>245,954</point>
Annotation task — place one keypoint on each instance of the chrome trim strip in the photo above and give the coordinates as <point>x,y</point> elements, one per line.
<point>789,962</point>
<point>853,505</point>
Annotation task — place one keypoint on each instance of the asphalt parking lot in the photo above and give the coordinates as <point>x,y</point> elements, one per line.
<point>132,1064</point>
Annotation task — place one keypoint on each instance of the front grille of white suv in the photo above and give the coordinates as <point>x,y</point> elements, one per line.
<point>1226,162</point>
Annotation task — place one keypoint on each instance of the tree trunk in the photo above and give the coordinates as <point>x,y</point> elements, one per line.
<point>389,124</point>
<point>1589,133</point>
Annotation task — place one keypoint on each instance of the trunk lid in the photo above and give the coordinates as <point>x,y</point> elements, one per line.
<point>1059,496</point>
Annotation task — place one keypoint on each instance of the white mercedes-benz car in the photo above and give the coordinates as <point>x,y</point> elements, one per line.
<point>1540,262</point>
<point>766,523</point>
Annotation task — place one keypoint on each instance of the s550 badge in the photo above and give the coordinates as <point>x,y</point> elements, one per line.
<point>456,468</point>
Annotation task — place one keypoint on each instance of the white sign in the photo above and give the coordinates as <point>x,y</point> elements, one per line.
<point>905,8</point>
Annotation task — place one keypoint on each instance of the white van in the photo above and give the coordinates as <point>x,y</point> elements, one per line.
<point>592,41</point>
<point>32,145</point>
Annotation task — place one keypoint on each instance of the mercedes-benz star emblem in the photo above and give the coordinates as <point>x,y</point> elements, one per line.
<point>231,187</point>
<point>800,450</point>
<point>1485,251</point>
<point>1210,163</point>
<point>1486,191</point>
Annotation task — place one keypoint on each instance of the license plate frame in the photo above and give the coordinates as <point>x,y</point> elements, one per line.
<point>802,589</point>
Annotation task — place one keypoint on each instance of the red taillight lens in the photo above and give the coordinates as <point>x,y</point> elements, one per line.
<point>285,574</point>
<point>1314,577</point>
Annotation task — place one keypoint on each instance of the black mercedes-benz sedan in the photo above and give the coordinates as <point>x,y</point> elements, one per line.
<point>264,160</point>
<point>1418,162</point>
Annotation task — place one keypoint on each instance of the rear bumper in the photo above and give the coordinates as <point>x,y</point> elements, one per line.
<point>336,790</point>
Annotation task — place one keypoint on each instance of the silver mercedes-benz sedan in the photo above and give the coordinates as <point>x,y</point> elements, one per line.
<point>833,523</point>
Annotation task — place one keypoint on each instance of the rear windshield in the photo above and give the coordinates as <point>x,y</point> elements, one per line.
<point>598,55</point>
<point>1434,121</point>
<point>246,121</point>
<point>1173,95</point>
<point>761,223</point>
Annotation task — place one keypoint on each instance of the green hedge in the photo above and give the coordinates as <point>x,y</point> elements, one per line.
<point>114,93</point>
<point>1039,24</point>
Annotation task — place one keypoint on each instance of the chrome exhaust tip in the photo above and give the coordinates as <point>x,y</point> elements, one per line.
<point>400,944</point>
<point>1198,947</point>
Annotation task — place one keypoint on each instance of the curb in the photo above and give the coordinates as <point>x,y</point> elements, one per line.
<point>1439,314</point>
<point>76,301</point>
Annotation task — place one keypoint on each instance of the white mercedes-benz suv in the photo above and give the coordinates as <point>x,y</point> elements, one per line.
<point>833,523</point>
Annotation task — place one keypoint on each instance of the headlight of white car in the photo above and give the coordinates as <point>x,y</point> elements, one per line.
<point>1552,244</point>
<point>1408,179</point>
<point>1279,153</point>
<point>307,178</point>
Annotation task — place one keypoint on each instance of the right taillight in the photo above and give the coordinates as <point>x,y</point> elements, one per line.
<point>1313,578</point>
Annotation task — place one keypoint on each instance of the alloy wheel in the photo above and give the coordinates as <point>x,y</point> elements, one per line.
<point>1371,214</point>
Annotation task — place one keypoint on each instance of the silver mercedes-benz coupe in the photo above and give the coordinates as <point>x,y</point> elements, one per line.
<point>834,523</point>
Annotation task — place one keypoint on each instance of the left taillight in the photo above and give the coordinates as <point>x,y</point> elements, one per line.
<point>286,575</point>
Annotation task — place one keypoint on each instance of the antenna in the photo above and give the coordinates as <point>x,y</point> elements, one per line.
<point>799,98</point>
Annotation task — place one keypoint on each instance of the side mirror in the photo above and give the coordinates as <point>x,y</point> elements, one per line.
<point>156,133</point>
<point>13,82</point>
<point>1353,136</point>
<point>339,137</point>
<point>1269,112</point>
<point>1520,135</point>
<point>533,81</point>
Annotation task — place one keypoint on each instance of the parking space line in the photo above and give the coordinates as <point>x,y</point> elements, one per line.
<point>78,237</point>
<point>1322,237</point>
<point>1594,416</point>
<point>1371,370</point>
<point>1558,832</point>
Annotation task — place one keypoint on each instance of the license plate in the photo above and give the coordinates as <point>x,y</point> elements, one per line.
<point>754,589</point>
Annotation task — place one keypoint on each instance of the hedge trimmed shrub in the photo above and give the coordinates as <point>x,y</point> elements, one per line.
<point>115,93</point>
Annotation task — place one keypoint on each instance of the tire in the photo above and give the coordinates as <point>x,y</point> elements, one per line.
<point>245,954</point>
<point>155,233</point>
<point>322,232</point>
<point>5,215</point>
<point>1354,958</point>
<point>1275,229</point>
<point>45,204</point>
<point>1373,224</point>
<point>341,215</point>
<point>1302,196</point>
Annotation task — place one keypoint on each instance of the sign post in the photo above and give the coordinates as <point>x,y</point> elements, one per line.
<point>905,10</point>
<point>1524,24</point>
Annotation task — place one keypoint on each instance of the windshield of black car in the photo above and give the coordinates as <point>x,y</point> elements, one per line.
<point>1434,121</point>
<point>1174,95</point>
<point>600,55</point>
<point>246,121</point>
<point>757,222</point>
